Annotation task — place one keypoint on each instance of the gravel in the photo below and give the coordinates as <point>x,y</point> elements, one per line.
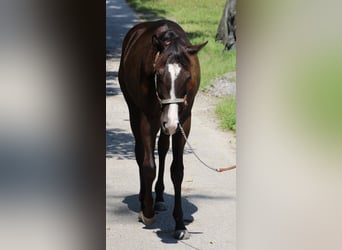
<point>223,86</point>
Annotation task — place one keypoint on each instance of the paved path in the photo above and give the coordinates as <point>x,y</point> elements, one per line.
<point>209,198</point>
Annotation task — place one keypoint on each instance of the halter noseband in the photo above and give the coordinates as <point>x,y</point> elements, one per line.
<point>165,101</point>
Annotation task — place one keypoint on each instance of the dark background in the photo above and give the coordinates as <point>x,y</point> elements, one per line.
<point>53,171</point>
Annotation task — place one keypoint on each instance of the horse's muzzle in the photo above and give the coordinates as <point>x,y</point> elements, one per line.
<point>169,119</point>
<point>169,128</point>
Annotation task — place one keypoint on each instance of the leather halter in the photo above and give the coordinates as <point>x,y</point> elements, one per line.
<point>165,101</point>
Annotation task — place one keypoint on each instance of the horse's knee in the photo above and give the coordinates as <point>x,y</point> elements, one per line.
<point>149,173</point>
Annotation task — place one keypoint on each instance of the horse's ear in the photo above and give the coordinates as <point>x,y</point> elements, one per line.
<point>193,49</point>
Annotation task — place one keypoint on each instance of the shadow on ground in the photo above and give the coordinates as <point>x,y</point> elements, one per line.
<point>164,225</point>
<point>146,13</point>
<point>120,144</point>
<point>119,19</point>
<point>111,75</point>
<point>112,89</point>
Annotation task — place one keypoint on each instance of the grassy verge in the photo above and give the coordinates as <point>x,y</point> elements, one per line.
<point>226,110</point>
<point>200,19</point>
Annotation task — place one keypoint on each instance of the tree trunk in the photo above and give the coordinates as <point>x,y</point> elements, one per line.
<point>226,32</point>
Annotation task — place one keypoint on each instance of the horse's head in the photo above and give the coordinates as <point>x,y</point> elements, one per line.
<point>177,77</point>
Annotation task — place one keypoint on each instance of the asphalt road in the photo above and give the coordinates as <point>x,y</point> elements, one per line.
<point>209,198</point>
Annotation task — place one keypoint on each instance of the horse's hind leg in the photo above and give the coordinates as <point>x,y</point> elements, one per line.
<point>139,155</point>
<point>148,131</point>
<point>163,147</point>
<point>134,116</point>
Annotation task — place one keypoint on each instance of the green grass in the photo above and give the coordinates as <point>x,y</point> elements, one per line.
<point>200,20</point>
<point>226,110</point>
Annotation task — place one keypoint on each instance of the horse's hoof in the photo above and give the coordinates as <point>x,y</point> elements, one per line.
<point>160,206</point>
<point>145,220</point>
<point>182,234</point>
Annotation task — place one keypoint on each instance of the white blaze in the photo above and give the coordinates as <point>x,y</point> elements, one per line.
<point>172,115</point>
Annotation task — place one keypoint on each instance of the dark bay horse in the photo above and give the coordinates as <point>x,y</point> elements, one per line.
<point>159,77</point>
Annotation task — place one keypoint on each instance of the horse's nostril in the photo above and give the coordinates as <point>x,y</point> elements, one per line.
<point>165,129</point>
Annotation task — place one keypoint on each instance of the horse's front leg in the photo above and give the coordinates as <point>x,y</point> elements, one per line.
<point>163,147</point>
<point>148,168</point>
<point>177,173</point>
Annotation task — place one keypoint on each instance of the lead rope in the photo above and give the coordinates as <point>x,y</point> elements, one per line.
<point>214,169</point>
